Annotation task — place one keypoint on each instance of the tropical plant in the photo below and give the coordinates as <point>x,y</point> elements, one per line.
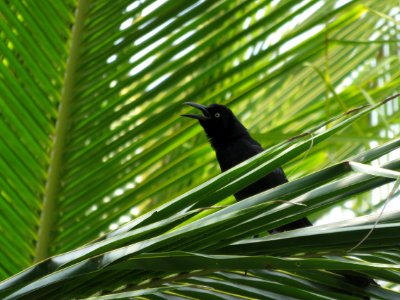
<point>113,195</point>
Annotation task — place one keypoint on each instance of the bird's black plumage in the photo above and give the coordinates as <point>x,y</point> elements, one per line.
<point>233,144</point>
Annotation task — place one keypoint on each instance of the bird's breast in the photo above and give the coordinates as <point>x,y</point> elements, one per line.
<point>233,153</point>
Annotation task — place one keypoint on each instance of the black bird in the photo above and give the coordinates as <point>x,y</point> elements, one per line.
<point>233,144</point>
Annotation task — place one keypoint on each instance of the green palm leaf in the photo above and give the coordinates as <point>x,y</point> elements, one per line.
<point>91,138</point>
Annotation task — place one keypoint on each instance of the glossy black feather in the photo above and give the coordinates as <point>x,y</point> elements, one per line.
<point>233,152</point>
<point>233,144</point>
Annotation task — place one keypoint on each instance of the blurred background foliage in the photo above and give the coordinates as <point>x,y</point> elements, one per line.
<point>91,94</point>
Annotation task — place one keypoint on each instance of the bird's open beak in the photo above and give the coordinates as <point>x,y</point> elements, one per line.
<point>203,117</point>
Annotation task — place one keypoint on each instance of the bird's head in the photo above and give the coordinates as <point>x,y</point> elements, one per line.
<point>218,121</point>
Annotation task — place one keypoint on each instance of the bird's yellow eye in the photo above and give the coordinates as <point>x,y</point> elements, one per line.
<point>217,115</point>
